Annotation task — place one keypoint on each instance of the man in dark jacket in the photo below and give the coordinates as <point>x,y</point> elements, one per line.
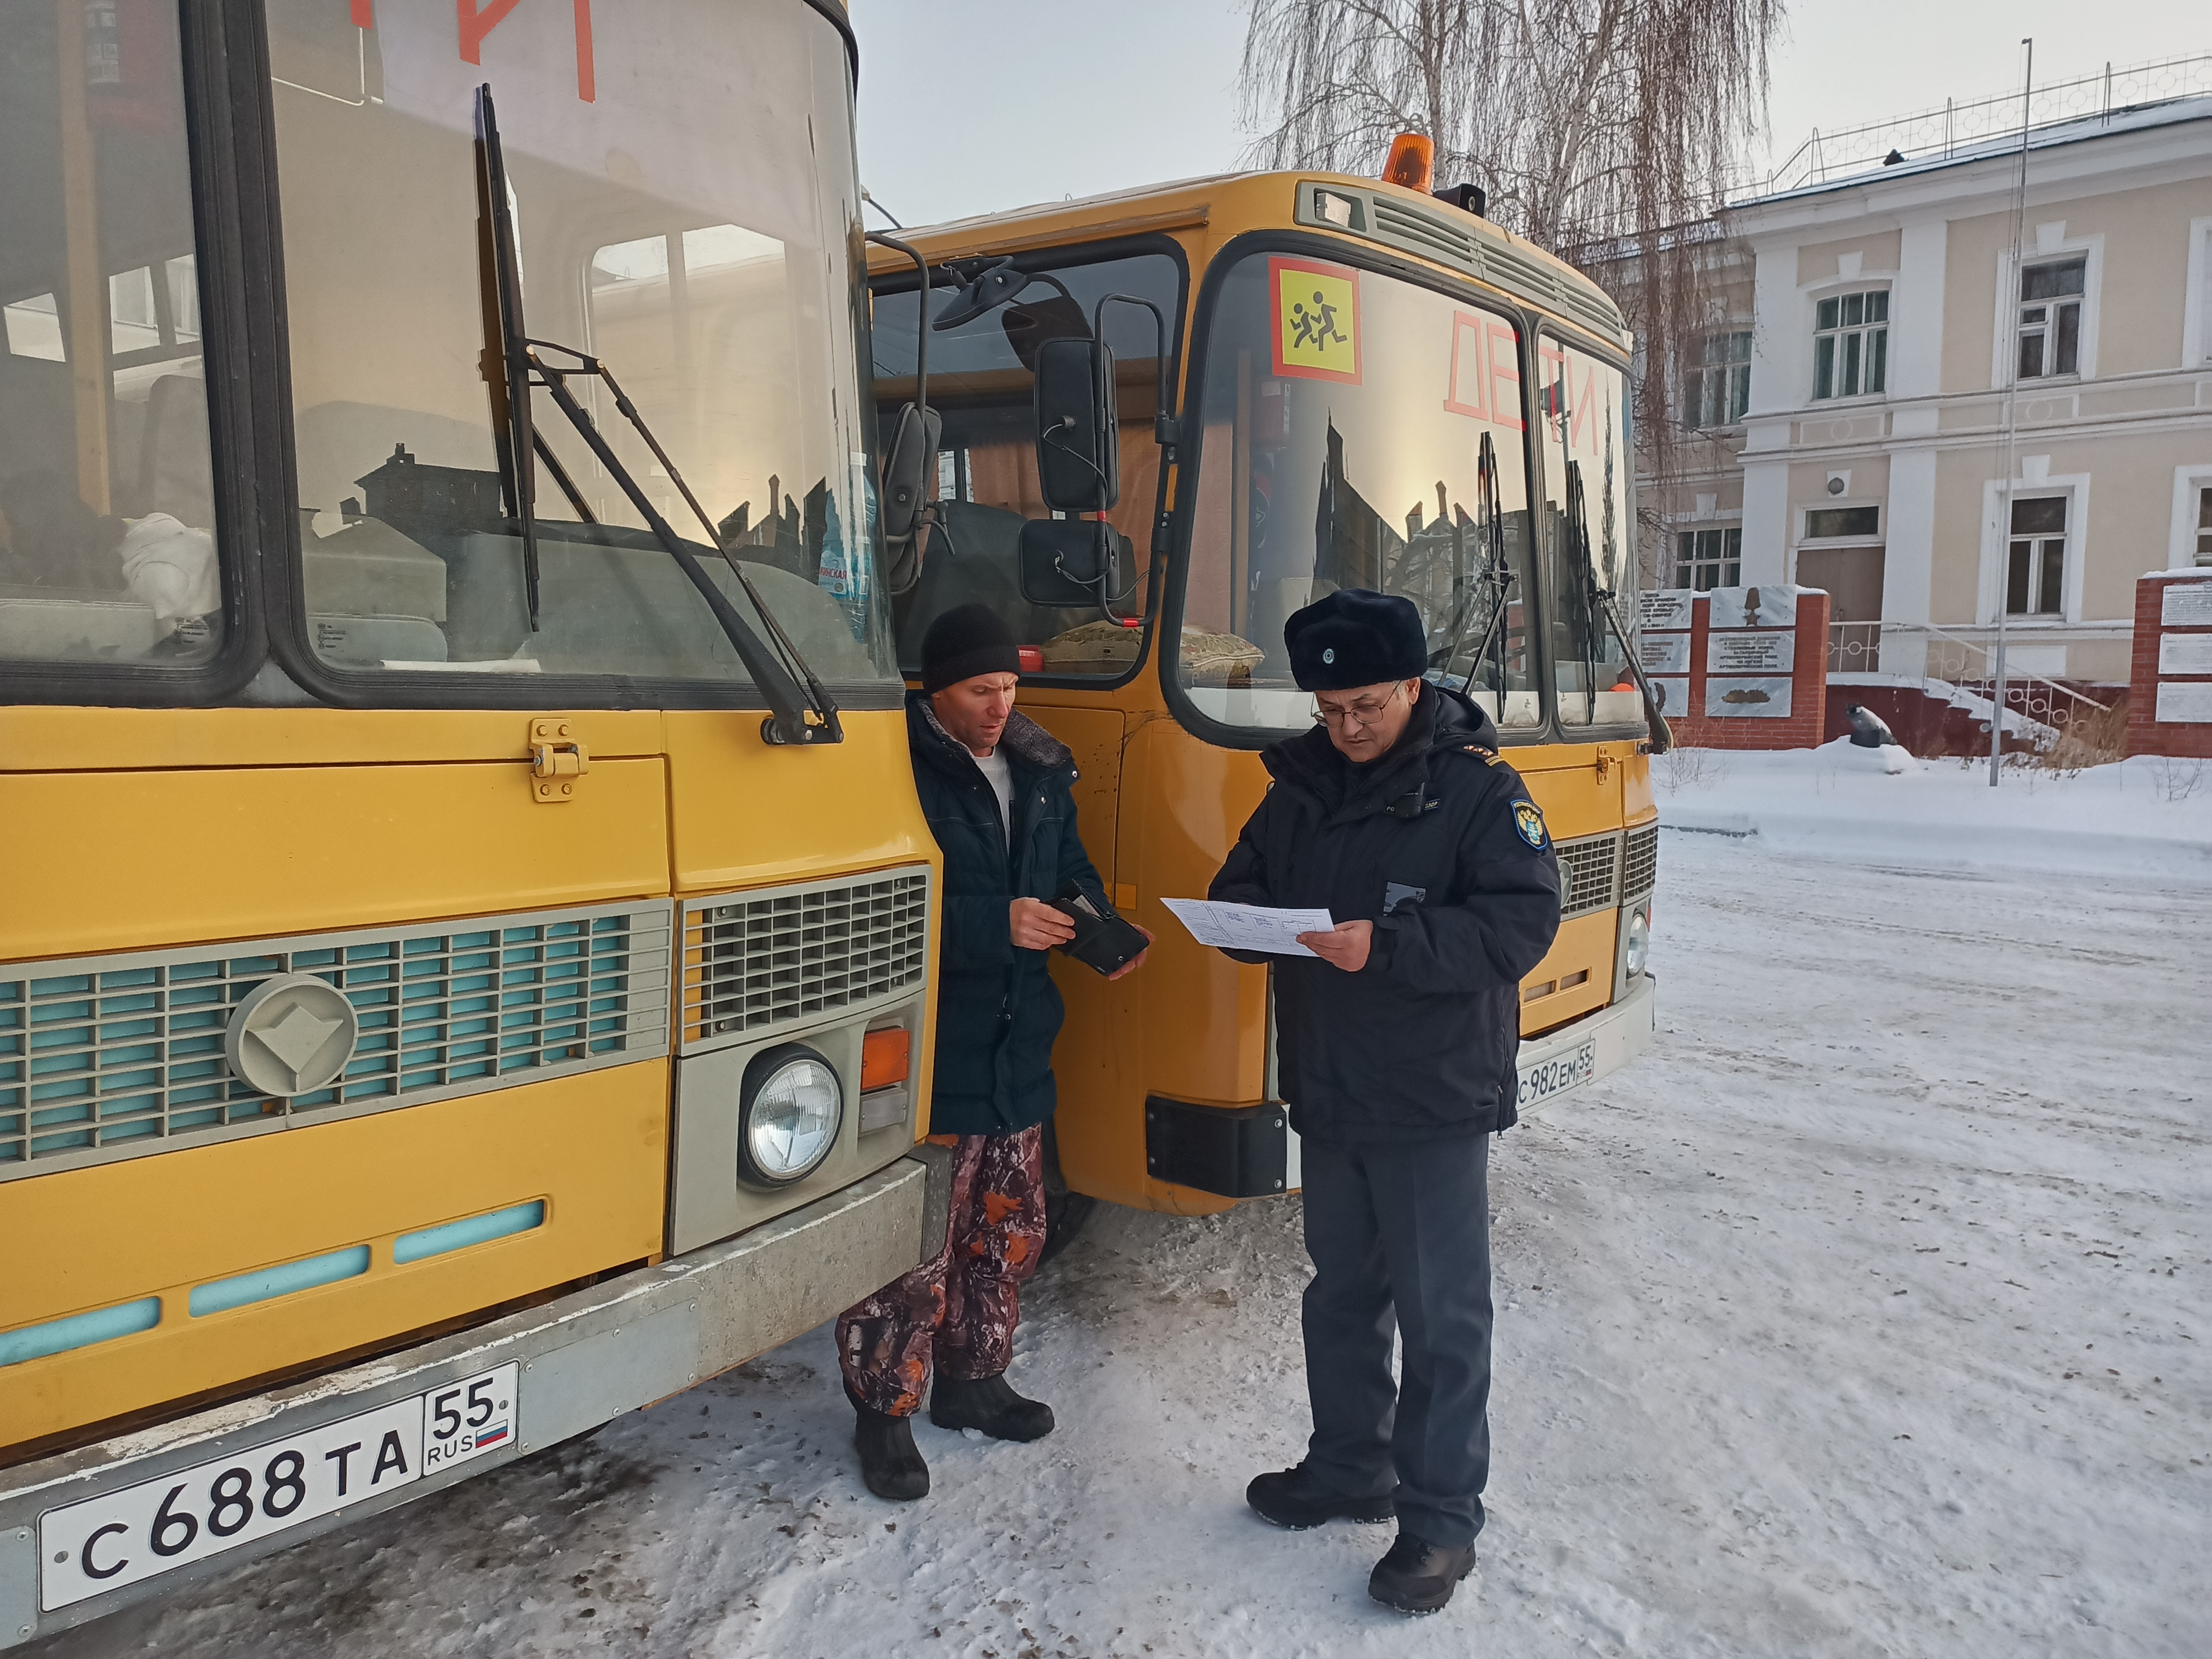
<point>1396,1041</point>
<point>995,788</point>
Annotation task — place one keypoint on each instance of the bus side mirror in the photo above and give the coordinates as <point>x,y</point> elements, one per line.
<point>1078,452</point>
<point>1071,561</point>
<point>908,464</point>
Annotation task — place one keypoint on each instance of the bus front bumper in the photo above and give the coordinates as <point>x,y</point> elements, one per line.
<point>579,1362</point>
<point>1583,1051</point>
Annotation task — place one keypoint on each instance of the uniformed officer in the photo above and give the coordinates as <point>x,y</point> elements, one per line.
<point>1396,1041</point>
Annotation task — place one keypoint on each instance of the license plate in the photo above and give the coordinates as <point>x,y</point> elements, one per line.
<point>1547,1077</point>
<point>158,1526</point>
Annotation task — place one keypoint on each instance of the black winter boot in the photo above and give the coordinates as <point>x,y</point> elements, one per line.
<point>1417,1577</point>
<point>889,1461</point>
<point>1291,1499</point>
<point>988,1403</point>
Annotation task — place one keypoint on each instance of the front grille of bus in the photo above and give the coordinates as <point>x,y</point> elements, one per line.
<point>1588,871</point>
<point>118,1057</point>
<point>782,957</point>
<point>1639,865</point>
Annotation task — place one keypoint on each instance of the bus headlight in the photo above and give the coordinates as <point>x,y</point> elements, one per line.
<point>792,1107</point>
<point>1636,948</point>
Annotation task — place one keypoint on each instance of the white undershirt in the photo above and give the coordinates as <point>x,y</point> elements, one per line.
<point>1001,779</point>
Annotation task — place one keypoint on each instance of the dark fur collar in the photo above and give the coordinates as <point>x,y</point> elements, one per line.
<point>1025,741</point>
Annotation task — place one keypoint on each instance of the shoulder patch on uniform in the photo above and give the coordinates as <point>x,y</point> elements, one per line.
<point>1528,819</point>
<point>1489,754</point>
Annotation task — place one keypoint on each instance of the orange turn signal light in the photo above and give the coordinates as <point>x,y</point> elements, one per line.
<point>886,1057</point>
<point>1413,162</point>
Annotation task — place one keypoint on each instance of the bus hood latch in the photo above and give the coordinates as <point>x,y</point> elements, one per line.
<point>557,759</point>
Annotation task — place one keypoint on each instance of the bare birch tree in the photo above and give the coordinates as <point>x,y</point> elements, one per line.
<point>1604,131</point>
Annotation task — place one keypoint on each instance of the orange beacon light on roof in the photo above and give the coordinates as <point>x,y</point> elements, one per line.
<point>1413,162</point>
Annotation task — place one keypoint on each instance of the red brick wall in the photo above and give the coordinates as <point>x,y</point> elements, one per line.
<point>2147,733</point>
<point>1807,691</point>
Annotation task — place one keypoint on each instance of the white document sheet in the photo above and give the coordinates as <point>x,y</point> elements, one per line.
<point>1249,927</point>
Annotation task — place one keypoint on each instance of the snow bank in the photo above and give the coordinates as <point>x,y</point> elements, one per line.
<point>2143,817</point>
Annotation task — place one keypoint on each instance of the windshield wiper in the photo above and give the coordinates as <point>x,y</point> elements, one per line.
<point>1597,600</point>
<point>1498,579</point>
<point>777,674</point>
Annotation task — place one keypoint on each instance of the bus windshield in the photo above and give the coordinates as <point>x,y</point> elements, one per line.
<point>1358,431</point>
<point>107,555</point>
<point>686,208</point>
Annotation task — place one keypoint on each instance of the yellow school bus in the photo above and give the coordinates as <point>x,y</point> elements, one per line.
<point>1307,382</point>
<point>464,917</point>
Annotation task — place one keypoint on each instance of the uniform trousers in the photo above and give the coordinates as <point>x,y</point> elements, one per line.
<point>1400,1238</point>
<point>957,1309</point>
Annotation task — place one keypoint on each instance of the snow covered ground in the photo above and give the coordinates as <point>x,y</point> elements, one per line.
<point>1865,1317</point>
<point>2148,816</point>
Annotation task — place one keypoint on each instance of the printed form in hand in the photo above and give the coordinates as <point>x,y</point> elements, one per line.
<point>1249,927</point>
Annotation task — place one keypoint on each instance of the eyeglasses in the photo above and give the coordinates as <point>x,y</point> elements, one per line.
<point>1364,713</point>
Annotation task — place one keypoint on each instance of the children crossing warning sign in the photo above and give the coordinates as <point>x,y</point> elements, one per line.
<point>1317,315</point>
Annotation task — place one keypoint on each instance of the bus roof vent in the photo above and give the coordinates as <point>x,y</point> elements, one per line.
<point>1451,240</point>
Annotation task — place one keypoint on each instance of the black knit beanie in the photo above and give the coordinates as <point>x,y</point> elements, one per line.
<point>964,642</point>
<point>1356,637</point>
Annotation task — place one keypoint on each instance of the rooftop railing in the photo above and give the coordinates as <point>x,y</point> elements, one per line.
<point>1943,133</point>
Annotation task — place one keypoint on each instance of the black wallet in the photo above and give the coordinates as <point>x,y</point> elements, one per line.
<point>1102,942</point>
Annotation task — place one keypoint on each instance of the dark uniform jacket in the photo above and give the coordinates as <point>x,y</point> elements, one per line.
<point>1437,844</point>
<point>998,1010</point>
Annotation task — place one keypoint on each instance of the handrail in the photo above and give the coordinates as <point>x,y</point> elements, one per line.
<point>2014,675</point>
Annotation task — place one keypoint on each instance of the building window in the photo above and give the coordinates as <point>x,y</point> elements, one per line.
<point>1717,389</point>
<point>2051,317</point>
<point>1823,522</point>
<point>2204,527</point>
<point>1851,344</point>
<point>2035,577</point>
<point>1706,559</point>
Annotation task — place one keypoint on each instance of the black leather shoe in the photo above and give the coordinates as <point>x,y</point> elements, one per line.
<point>889,1461</point>
<point>1417,1577</point>
<point>1289,1498</point>
<point>988,1403</point>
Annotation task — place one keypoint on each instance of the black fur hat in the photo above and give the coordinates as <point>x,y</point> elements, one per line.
<point>1356,637</point>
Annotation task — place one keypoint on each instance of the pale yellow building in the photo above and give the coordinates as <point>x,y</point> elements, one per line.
<point>1848,406</point>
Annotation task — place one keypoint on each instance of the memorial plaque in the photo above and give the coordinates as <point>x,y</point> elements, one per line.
<point>1666,653</point>
<point>1673,696</point>
<point>1669,608</point>
<point>1748,699</point>
<point>1770,606</point>
<point>1751,653</point>
<point>2178,653</point>
<point>2187,604</point>
<point>2186,703</point>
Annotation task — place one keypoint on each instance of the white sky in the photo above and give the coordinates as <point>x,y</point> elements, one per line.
<point>997,103</point>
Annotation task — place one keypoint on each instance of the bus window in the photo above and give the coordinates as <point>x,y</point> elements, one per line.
<point>704,246</point>
<point>1346,418</point>
<point>107,550</point>
<point>1585,414</point>
<point>981,380</point>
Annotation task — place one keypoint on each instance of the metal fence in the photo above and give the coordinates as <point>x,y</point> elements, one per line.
<point>1943,132</point>
<point>1959,670</point>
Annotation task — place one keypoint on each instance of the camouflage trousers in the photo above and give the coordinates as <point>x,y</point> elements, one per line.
<point>959,1308</point>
